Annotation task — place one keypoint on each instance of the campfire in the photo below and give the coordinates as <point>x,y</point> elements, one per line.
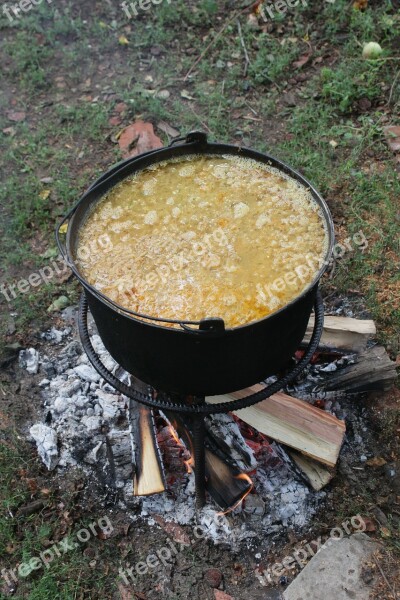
<point>268,463</point>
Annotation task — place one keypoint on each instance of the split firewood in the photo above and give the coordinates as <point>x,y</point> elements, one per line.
<point>343,333</point>
<point>148,470</point>
<point>372,370</point>
<point>292,422</point>
<point>317,475</point>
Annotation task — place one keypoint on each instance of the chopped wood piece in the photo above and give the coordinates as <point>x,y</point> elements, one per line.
<point>292,422</point>
<point>343,333</point>
<point>372,371</point>
<point>148,471</point>
<point>316,474</point>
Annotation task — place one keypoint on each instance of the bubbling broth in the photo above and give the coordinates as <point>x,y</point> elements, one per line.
<point>204,236</point>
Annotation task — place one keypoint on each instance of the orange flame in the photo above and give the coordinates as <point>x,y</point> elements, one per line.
<point>247,492</point>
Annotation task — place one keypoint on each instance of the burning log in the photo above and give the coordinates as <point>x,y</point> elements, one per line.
<point>343,333</point>
<point>148,471</point>
<point>292,422</point>
<point>225,483</point>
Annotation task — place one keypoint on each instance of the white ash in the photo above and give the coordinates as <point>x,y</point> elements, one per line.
<point>29,360</point>
<point>87,422</point>
<point>46,443</point>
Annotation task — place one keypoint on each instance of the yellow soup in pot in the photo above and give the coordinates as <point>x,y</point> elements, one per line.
<point>204,236</point>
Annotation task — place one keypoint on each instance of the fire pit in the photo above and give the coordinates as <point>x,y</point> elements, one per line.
<point>186,363</point>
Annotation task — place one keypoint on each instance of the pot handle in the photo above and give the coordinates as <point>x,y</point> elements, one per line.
<point>60,243</point>
<point>207,326</point>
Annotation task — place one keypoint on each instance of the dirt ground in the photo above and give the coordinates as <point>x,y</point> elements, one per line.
<point>75,74</point>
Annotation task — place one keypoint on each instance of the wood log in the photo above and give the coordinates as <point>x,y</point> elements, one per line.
<point>372,371</point>
<point>148,470</point>
<point>292,422</point>
<point>343,333</point>
<point>316,475</point>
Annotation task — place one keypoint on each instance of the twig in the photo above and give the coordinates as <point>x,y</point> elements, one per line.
<point>246,55</point>
<point>200,120</point>
<point>392,590</point>
<point>212,42</point>
<point>392,88</point>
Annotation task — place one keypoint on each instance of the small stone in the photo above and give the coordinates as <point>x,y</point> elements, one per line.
<point>90,412</point>
<point>87,373</point>
<point>44,383</point>
<point>213,577</point>
<point>29,360</point>
<point>363,458</point>
<point>218,595</point>
<point>59,304</point>
<point>163,94</point>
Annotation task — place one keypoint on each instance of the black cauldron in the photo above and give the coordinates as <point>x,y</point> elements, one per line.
<point>203,358</point>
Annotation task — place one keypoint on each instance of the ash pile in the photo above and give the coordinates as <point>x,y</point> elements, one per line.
<point>260,480</point>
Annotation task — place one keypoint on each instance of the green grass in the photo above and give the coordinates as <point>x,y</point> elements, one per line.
<point>23,538</point>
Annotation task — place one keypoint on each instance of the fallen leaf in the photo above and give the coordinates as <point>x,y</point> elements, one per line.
<point>64,228</point>
<point>44,194</point>
<point>369,524</point>
<point>125,592</point>
<point>377,461</point>
<point>360,4</point>
<point>16,115</point>
<point>114,121</point>
<point>165,128</point>
<point>123,40</point>
<point>392,134</point>
<point>297,64</point>
<point>177,533</point>
<point>120,107</point>
<point>185,94</point>
<point>138,138</point>
<point>333,143</point>
<point>385,532</point>
<point>9,131</point>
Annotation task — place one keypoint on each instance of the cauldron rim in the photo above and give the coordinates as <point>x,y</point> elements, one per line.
<point>196,144</point>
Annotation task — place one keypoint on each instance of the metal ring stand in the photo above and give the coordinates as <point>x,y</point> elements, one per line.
<point>199,409</point>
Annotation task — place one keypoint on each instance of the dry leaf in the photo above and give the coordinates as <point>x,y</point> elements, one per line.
<point>45,194</point>
<point>64,228</point>
<point>360,4</point>
<point>164,127</point>
<point>16,115</point>
<point>377,461</point>
<point>185,94</point>
<point>297,64</point>
<point>392,134</point>
<point>385,532</point>
<point>123,40</point>
<point>138,138</point>
<point>125,592</point>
